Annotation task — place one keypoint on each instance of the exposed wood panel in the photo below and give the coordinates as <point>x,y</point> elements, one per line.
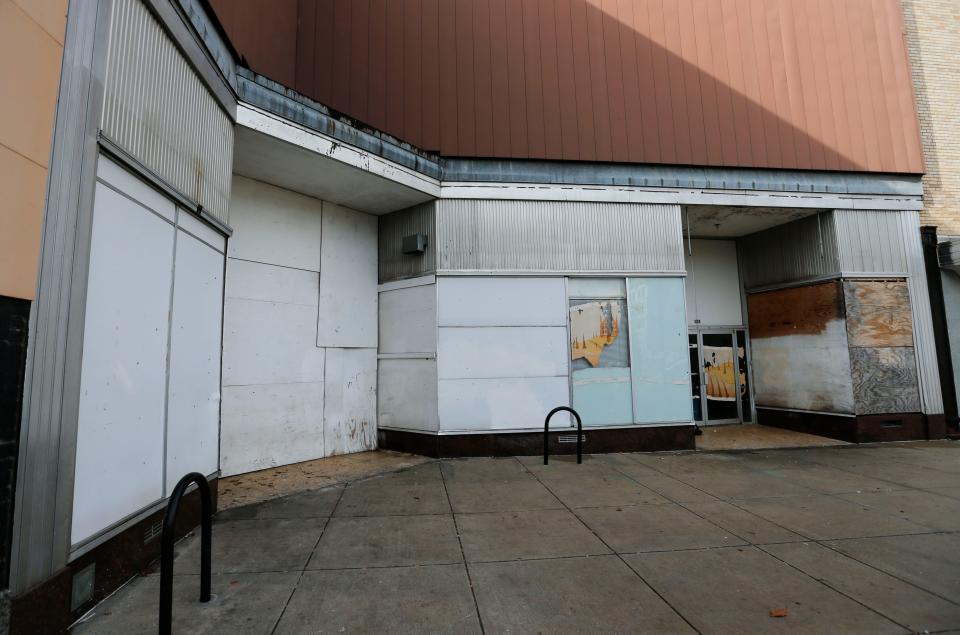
<point>878,313</point>
<point>796,311</point>
<point>884,380</point>
<point>809,84</point>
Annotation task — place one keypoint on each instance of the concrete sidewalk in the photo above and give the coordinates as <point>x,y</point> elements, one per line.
<point>858,539</point>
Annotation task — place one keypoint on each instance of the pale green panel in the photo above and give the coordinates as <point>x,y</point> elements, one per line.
<point>602,396</point>
<point>658,348</point>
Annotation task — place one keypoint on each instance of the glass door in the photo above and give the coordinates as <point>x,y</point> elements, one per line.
<point>719,363</point>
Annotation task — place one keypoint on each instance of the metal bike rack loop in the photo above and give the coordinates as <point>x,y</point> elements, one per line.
<point>166,546</point>
<point>546,433</point>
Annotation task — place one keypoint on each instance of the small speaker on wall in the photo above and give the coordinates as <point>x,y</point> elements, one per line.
<point>414,244</point>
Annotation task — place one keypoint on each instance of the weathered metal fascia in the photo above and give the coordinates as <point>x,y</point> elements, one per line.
<point>639,175</point>
<point>279,100</point>
<point>949,254</point>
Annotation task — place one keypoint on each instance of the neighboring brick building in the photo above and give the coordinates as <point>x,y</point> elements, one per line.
<point>933,41</point>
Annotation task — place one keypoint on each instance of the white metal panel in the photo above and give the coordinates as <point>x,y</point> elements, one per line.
<point>408,320</point>
<point>501,301</point>
<point>269,425</point>
<point>713,283</point>
<point>350,401</point>
<point>487,352</point>
<point>123,180</point>
<point>274,226</point>
<point>407,394</point>
<point>271,283</point>
<point>203,231</point>
<point>119,464</point>
<point>501,404</point>
<point>193,396</point>
<point>158,109</point>
<point>348,279</point>
<point>951,304</point>
<point>270,343</point>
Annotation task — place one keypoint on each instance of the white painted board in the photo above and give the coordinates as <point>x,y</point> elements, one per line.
<point>202,230</point>
<point>270,343</point>
<point>488,352</point>
<point>193,401</point>
<point>501,404</point>
<point>269,425</point>
<point>501,301</point>
<point>274,226</point>
<point>407,394</point>
<point>133,186</point>
<point>408,320</point>
<point>119,461</point>
<point>713,283</point>
<point>271,283</point>
<point>348,279</point>
<point>350,401</point>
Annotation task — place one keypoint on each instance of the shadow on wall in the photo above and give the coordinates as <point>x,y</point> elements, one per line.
<point>747,83</point>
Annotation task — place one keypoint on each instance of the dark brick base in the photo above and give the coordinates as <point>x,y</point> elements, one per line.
<point>859,429</point>
<point>639,439</point>
<point>46,607</point>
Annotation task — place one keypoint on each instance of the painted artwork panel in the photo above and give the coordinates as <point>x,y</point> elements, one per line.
<point>659,350</point>
<point>598,334</point>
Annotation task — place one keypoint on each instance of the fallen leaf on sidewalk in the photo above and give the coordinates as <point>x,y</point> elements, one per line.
<point>779,612</point>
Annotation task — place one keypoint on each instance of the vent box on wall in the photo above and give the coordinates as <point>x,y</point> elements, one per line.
<point>415,244</point>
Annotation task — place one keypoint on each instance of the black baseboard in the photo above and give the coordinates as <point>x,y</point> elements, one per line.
<point>597,441</point>
<point>46,608</point>
<point>910,426</point>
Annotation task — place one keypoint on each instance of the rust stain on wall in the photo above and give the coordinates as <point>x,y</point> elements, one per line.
<point>796,311</point>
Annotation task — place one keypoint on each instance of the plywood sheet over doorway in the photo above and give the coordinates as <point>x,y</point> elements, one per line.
<point>800,350</point>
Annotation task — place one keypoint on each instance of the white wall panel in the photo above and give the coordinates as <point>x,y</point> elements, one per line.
<point>408,320</point>
<point>120,178</point>
<point>119,465</point>
<point>501,301</point>
<point>269,425</point>
<point>350,401</point>
<point>407,394</point>
<point>193,402</point>
<point>348,279</point>
<point>713,283</point>
<point>203,231</point>
<point>487,352</point>
<point>271,283</point>
<point>275,226</point>
<point>501,404</point>
<point>270,343</point>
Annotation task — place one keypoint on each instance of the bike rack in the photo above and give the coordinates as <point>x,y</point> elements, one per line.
<point>546,434</point>
<point>166,546</point>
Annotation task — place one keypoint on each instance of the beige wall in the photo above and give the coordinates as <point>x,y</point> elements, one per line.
<point>31,47</point>
<point>933,41</point>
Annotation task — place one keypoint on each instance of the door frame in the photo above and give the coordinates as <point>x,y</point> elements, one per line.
<point>699,331</point>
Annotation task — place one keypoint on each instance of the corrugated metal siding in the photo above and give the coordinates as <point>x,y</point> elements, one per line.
<point>394,264</point>
<point>889,242</point>
<point>812,84</point>
<point>871,241</point>
<point>532,236</point>
<point>801,250</point>
<point>158,110</point>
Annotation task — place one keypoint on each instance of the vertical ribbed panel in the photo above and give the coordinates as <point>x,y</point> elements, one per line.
<point>886,242</point>
<point>394,264</point>
<point>800,250</point>
<point>157,109</point>
<point>532,236</point>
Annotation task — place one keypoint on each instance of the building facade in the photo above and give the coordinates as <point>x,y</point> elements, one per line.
<point>272,232</point>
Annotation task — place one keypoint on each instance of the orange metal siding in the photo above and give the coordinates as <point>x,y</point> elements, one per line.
<point>809,84</point>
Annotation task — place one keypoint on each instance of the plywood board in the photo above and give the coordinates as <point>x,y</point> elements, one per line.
<point>193,402</point>
<point>878,313</point>
<point>348,279</point>
<point>350,401</point>
<point>885,380</point>
<point>407,394</point>
<point>501,404</point>
<point>489,352</point>
<point>796,311</point>
<point>501,301</point>
<point>408,320</point>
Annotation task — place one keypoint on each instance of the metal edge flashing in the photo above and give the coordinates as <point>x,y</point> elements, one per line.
<point>272,97</point>
<point>194,34</point>
<point>183,201</point>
